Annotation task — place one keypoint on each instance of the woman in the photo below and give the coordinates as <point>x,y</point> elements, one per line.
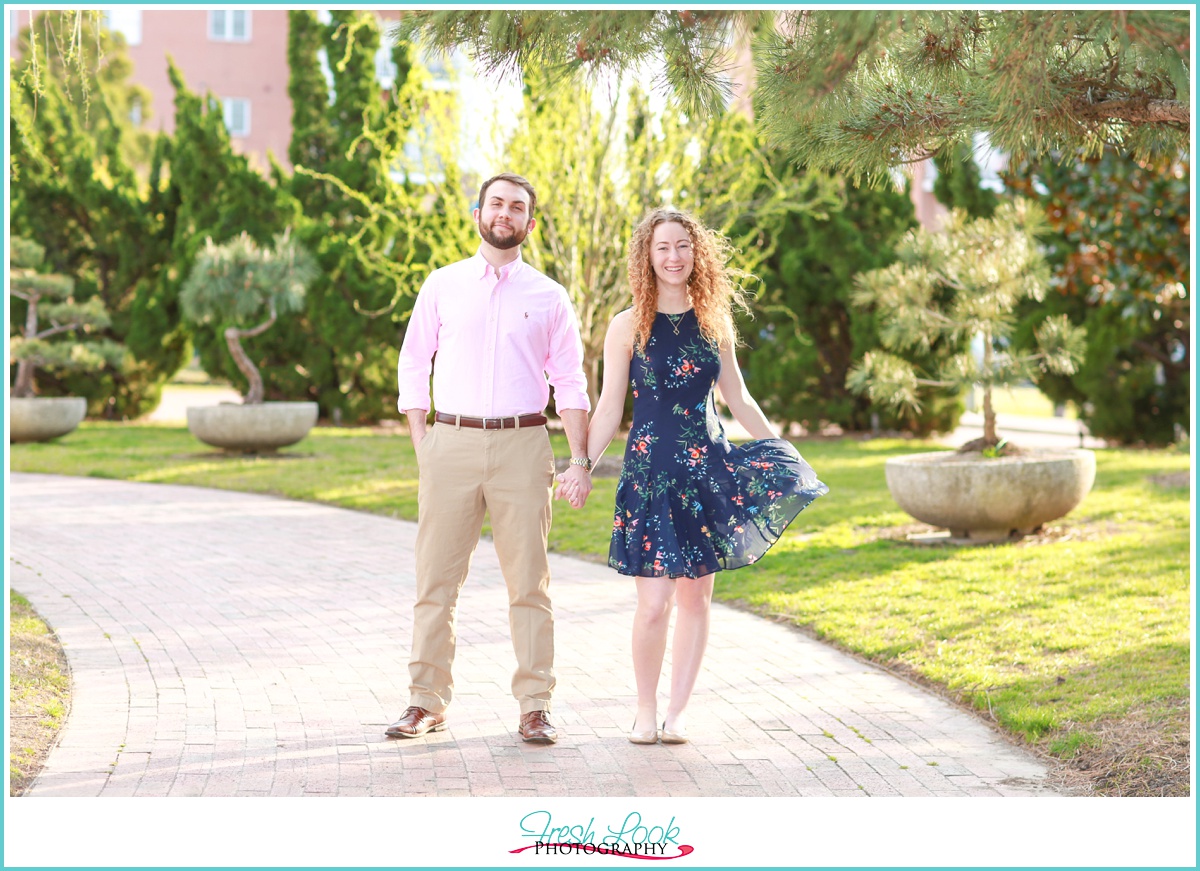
<point>688,503</point>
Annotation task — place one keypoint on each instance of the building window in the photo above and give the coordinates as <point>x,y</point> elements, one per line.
<point>135,112</point>
<point>237,116</point>
<point>229,25</point>
<point>127,22</point>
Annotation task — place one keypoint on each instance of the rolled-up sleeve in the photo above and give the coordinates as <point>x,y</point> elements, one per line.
<point>564,360</point>
<point>416,353</point>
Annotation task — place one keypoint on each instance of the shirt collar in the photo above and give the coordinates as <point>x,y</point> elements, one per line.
<point>508,270</point>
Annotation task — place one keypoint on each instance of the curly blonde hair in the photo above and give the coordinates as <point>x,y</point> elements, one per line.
<point>713,287</point>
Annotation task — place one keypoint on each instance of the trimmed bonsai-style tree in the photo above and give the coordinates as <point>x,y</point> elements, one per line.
<point>967,281</point>
<point>244,288</point>
<point>49,340</point>
<point>964,281</point>
<point>238,283</point>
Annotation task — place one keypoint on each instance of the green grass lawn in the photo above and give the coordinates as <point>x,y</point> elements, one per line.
<point>1052,637</point>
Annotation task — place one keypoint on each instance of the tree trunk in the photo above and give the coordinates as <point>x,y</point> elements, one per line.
<point>254,396</point>
<point>989,417</point>
<point>989,414</point>
<point>23,386</point>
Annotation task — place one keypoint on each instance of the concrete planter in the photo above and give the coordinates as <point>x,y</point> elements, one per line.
<point>991,499</point>
<point>252,428</point>
<point>39,418</point>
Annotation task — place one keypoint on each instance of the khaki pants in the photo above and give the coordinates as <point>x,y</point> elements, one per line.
<point>463,472</point>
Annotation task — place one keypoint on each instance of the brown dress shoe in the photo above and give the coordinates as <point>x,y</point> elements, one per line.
<point>535,728</point>
<point>415,722</point>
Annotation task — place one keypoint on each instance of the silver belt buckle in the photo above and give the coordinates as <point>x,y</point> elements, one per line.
<point>489,421</point>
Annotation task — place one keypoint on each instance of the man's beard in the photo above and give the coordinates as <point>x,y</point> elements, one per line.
<point>515,238</point>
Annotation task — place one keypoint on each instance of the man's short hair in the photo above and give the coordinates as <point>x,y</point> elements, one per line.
<point>514,179</point>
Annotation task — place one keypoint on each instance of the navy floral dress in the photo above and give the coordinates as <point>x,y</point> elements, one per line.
<point>688,502</point>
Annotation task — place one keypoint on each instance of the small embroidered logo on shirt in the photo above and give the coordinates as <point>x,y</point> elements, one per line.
<point>526,315</point>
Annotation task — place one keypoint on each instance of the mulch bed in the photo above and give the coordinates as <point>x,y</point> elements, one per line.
<point>1141,754</point>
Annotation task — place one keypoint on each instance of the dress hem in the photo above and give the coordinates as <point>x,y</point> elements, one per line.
<point>819,493</point>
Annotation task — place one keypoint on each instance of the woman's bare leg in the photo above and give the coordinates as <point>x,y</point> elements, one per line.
<point>650,622</point>
<point>693,596</point>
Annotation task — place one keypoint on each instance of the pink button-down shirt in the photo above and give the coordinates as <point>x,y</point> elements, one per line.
<point>501,340</point>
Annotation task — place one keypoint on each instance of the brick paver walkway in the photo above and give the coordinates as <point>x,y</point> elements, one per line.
<point>230,644</point>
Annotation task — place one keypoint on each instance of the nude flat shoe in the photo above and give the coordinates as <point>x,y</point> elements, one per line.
<point>650,736</point>
<point>669,737</point>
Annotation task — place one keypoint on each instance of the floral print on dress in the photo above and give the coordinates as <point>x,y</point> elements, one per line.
<point>686,363</point>
<point>688,503</point>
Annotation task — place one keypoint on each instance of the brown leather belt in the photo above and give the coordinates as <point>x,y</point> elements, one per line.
<point>535,419</point>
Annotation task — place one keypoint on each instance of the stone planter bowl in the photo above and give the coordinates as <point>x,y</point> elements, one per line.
<point>252,428</point>
<point>39,418</point>
<point>991,499</point>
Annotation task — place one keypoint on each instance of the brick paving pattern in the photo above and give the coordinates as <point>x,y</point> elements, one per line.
<point>232,644</point>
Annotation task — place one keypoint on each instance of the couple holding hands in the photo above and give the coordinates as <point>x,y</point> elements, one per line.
<point>688,503</point>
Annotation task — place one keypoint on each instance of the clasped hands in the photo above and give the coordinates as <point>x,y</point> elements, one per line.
<point>574,485</point>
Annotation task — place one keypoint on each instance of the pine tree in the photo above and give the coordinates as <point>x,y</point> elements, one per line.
<point>53,319</point>
<point>965,280</point>
<point>863,91</point>
<point>958,183</point>
<point>238,282</point>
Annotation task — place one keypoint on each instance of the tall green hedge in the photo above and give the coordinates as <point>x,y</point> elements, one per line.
<point>218,196</point>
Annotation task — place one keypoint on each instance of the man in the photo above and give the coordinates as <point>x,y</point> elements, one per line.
<point>500,329</point>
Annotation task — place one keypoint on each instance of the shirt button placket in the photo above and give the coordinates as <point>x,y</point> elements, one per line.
<point>489,355</point>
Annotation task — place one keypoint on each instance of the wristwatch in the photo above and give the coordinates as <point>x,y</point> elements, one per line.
<point>586,462</point>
